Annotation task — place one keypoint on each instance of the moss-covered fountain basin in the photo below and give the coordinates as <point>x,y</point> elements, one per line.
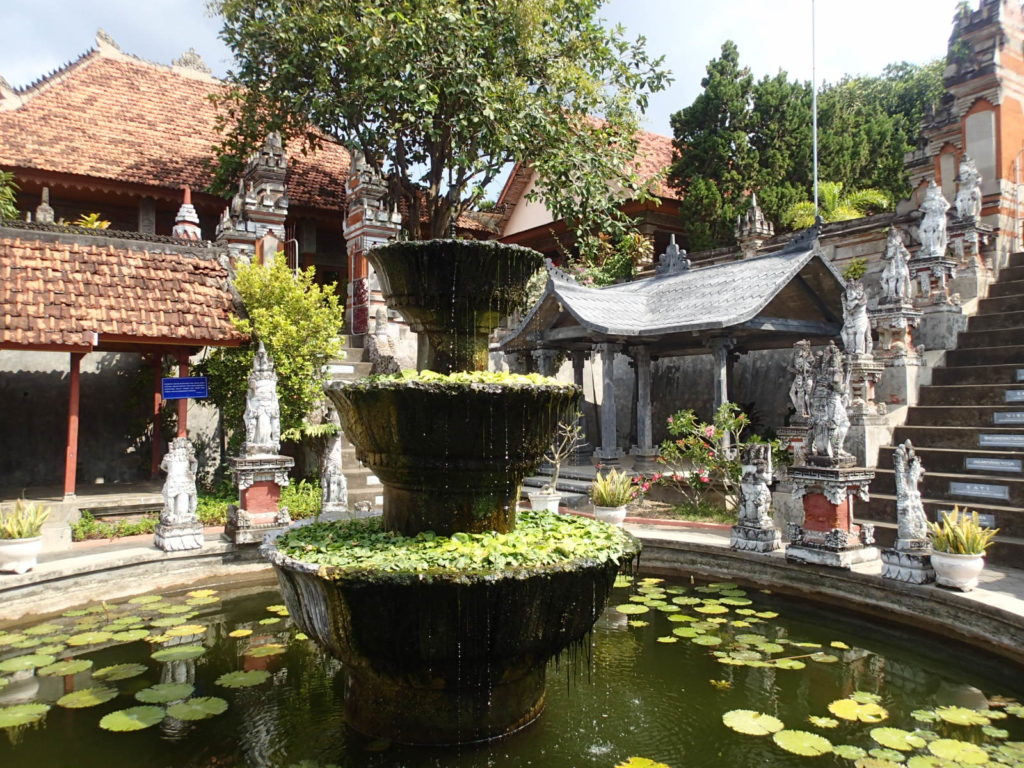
<point>445,640</point>
<point>452,450</point>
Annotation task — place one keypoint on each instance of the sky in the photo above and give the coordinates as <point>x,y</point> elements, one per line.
<point>852,37</point>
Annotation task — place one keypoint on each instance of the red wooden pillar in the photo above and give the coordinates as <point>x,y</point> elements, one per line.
<point>183,402</point>
<point>71,453</point>
<point>155,447</point>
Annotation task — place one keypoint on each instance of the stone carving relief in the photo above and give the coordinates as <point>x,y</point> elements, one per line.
<point>896,275</point>
<point>334,488</point>
<point>755,496</point>
<point>912,523</point>
<point>932,231</point>
<point>802,368</point>
<point>179,489</point>
<point>856,331</point>
<point>968,194</point>
<point>673,259</point>
<point>380,347</point>
<point>829,399</point>
<point>262,411</point>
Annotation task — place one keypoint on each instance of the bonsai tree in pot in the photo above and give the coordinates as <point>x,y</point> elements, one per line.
<point>610,493</point>
<point>959,543</point>
<point>566,439</point>
<point>21,539</point>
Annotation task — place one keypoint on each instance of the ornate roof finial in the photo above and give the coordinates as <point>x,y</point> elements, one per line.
<point>186,223</point>
<point>191,59</point>
<point>104,42</point>
<point>673,259</point>
<point>752,228</point>
<point>555,273</point>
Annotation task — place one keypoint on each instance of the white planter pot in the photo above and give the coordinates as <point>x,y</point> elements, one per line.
<point>958,571</point>
<point>19,555</point>
<point>548,501</point>
<point>613,515</point>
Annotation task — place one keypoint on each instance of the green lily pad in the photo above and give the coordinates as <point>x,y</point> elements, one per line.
<point>43,629</point>
<point>789,664</point>
<point>245,679</point>
<point>30,642</point>
<point>849,752</point>
<point>962,716</point>
<point>960,751</point>
<point>22,663</point>
<point>622,581</point>
<point>90,638</point>
<point>171,610</point>
<point>119,672</point>
<point>666,608</point>
<point>848,709</point>
<point>803,743</point>
<point>767,615</point>
<point>52,650</point>
<point>178,653</point>
<point>736,601</point>
<point>751,723</point>
<point>198,709</point>
<point>688,632</point>
<point>632,622</point>
<point>889,755</point>
<point>824,658</point>
<point>930,761</point>
<point>131,635</point>
<point>162,693</point>
<point>87,697</point>
<point>205,600</point>
<point>270,649</point>
<point>22,714</point>
<point>822,722</point>
<point>169,621</point>
<point>1013,709</point>
<point>876,762</point>
<point>186,630</point>
<point>640,762</point>
<point>273,620</point>
<point>706,640</point>
<point>711,609</point>
<point>686,600</point>
<point>995,733</point>
<point>896,738</point>
<point>668,639</point>
<point>924,716</point>
<point>146,599</point>
<point>631,608</point>
<point>840,645</point>
<point>61,668</point>
<point>132,719</point>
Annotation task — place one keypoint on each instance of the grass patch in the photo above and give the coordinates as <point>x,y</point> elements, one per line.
<point>88,527</point>
<point>302,499</point>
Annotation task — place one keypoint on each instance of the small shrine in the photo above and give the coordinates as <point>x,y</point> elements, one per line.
<point>260,471</point>
<point>179,528</point>
<point>910,559</point>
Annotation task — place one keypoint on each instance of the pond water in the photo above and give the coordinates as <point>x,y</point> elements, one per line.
<point>653,687</point>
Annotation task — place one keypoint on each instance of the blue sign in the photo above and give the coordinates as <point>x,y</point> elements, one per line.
<point>194,387</point>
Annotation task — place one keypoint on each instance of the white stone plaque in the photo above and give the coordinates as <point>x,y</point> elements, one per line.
<point>980,490</point>
<point>1001,441</point>
<point>993,465</point>
<point>1015,395</point>
<point>986,520</point>
<point>1008,417</point>
<point>1020,374</point>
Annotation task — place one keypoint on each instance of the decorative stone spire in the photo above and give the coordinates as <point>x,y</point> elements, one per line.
<point>752,229</point>
<point>673,260</point>
<point>186,223</point>
<point>44,213</point>
<point>261,204</point>
<point>191,59</point>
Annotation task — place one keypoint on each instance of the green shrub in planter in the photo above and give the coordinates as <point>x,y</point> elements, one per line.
<point>25,521</point>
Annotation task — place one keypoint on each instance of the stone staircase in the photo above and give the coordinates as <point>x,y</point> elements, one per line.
<point>968,426</point>
<point>573,483</point>
<point>363,485</point>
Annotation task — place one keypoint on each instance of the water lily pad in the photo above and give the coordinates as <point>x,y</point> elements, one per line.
<point>61,668</point>
<point>198,709</point>
<point>960,751</point>
<point>888,755</point>
<point>706,640</point>
<point>90,638</point>
<point>930,761</point>
<point>283,609</point>
<point>146,599</point>
<point>849,752</point>
<point>631,608</point>
<point>132,719</point>
<point>924,716</point>
<point>43,629</point>
<point>897,738</point>
<point>962,716</point>
<point>202,593</point>
<point>631,622</point>
<point>245,679</point>
<point>751,723</point>
<point>270,649</point>
<point>29,642</point>
<point>686,600</point>
<point>640,762</point>
<point>119,672</point>
<point>688,632</point>
<point>876,762</point>
<point>11,639</point>
<point>87,697</point>
<point>22,714</point>
<point>668,639</point>
<point>131,635</point>
<point>1013,709</point>
<point>162,693</point>
<point>202,600</point>
<point>822,722</point>
<point>767,615</point>
<point>178,653</point>
<point>789,664</point>
<point>995,733</point>
<point>848,709</point>
<point>711,609</point>
<point>736,601</point>
<point>186,630</point>
<point>622,581</point>
<point>269,621</point>
<point>824,658</point>
<point>666,608</point>
<point>803,743</point>
<point>865,697</point>
<point>240,633</point>
<point>840,645</point>
<point>22,663</point>
<point>169,621</point>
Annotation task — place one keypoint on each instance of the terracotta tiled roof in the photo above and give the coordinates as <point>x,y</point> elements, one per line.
<point>653,156</point>
<point>56,293</point>
<point>113,116</point>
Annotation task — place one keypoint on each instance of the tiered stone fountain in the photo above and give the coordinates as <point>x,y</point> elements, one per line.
<point>448,657</point>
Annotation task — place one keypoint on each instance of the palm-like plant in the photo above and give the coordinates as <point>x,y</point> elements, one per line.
<point>835,206</point>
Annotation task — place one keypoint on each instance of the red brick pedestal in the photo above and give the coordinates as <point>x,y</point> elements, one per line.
<point>259,479</point>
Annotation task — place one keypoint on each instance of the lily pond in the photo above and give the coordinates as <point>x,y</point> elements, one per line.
<point>680,673</point>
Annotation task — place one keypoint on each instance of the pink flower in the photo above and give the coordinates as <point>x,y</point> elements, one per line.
<point>671,420</point>
<point>709,431</point>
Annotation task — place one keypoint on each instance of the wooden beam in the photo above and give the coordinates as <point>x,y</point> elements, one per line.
<point>791,325</point>
<point>71,450</point>
<point>155,448</point>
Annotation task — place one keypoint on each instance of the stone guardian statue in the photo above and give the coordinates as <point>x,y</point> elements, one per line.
<point>968,194</point>
<point>262,410</point>
<point>333,486</point>
<point>179,528</point>
<point>911,521</point>
<point>896,275</point>
<point>856,331</point>
<point>829,399</point>
<point>932,231</point>
<point>802,368</point>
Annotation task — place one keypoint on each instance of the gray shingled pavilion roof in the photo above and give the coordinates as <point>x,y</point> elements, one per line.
<point>792,292</point>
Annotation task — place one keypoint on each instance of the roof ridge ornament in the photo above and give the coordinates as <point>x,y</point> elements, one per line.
<point>105,43</point>
<point>191,59</point>
<point>673,260</point>
<point>558,274</point>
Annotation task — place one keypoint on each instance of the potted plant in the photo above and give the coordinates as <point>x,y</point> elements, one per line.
<point>610,493</point>
<point>21,535</point>
<point>564,443</point>
<point>958,548</point>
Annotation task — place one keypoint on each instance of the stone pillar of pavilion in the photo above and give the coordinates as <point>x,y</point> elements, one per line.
<point>260,206</point>
<point>752,229</point>
<point>830,480</point>
<point>517,362</point>
<point>368,222</point>
<point>932,270</point>
<point>260,471</point>
<point>584,448</point>
<point>608,452</point>
<point>645,453</point>
<point>546,361</point>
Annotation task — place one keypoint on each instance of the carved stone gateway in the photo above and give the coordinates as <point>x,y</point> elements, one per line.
<point>755,531</point>
<point>910,559</point>
<point>179,527</point>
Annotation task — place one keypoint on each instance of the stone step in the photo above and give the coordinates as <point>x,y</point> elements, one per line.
<point>1003,415</point>
<point>968,463</point>
<point>575,493</point>
<point>986,356</point>
<point>1015,260</point>
<point>346,370</point>
<point>997,337</point>
<point>1013,272</point>
<point>1006,287</point>
<point>977,394</point>
<point>999,304</point>
<point>956,488</point>
<point>979,374</point>
<point>970,438</point>
<point>996,321</point>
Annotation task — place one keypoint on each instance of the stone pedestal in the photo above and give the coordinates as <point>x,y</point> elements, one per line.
<point>941,322</point>
<point>907,566</point>
<point>794,439</point>
<point>828,535</point>
<point>260,480</point>
<point>868,432</point>
<point>968,238</point>
<point>177,537</point>
<point>895,325</point>
<point>748,538</point>
<point>645,459</point>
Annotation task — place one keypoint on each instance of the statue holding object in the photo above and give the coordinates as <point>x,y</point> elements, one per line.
<point>896,275</point>
<point>179,527</point>
<point>829,400</point>
<point>262,410</point>
<point>856,328</point>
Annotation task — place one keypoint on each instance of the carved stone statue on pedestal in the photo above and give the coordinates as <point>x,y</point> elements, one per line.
<point>380,347</point>
<point>179,528</point>
<point>856,328</point>
<point>334,488</point>
<point>829,399</point>
<point>968,194</point>
<point>909,560</point>
<point>262,411</point>
<point>755,531</point>
<point>896,275</point>
<point>932,231</point>
<point>802,368</point>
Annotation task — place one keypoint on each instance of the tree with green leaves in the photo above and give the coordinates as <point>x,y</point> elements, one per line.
<point>298,322</point>
<point>8,196</point>
<point>834,205</point>
<point>440,96</point>
<point>716,162</point>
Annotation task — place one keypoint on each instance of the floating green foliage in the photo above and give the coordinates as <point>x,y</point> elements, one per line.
<point>22,663</point>
<point>240,633</point>
<point>172,610</point>
<point>896,738</point>
<point>270,649</point>
<point>822,722</point>
<point>849,752</point>
<point>132,719</point>
<point>162,693</point>
<point>995,733</point>
<point>87,697</point>
<point>876,762</point>
<point>198,709</point>
<point>668,639</point>
<point>169,621</point>
<point>22,714</point>
<point>119,672</point>
<point>889,755</point>
<point>90,638</point>
<point>243,679</point>
<point>632,608</point>
<point>179,653</point>
<point>540,538</point>
<point>960,751</point>
<point>803,743</point>
<point>131,635</point>
<point>924,716</point>
<point>848,709</point>
<point>43,629</point>
<point>145,600</point>
<point>61,668</point>
<point>962,716</point>
<point>751,723</point>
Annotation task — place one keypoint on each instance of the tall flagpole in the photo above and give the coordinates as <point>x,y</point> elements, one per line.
<point>814,110</point>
